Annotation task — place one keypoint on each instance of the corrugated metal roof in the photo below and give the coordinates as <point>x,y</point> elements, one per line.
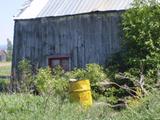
<point>46,8</point>
<point>24,6</point>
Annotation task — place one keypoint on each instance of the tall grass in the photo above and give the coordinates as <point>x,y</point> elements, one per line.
<point>30,107</point>
<point>149,109</point>
<point>5,70</point>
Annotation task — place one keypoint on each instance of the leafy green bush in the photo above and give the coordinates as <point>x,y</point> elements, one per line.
<point>25,75</point>
<point>4,83</point>
<point>61,82</point>
<point>93,72</point>
<point>78,74</point>
<point>49,81</point>
<point>44,81</point>
<point>138,63</point>
<point>141,25</point>
<point>97,75</point>
<point>111,96</point>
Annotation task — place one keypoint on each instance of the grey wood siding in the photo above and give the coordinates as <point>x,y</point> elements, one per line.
<point>87,38</point>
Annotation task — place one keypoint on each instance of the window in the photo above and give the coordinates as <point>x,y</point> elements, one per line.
<point>62,60</point>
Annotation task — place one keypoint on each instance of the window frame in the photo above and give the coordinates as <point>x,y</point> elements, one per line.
<point>61,58</point>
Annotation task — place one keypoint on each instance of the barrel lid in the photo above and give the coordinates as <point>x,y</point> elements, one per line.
<point>73,80</point>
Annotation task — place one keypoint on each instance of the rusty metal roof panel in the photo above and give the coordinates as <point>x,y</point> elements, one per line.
<point>46,8</point>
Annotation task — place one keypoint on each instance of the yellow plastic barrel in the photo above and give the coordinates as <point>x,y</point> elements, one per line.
<point>80,91</point>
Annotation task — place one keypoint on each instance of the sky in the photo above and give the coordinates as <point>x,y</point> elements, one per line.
<point>8,8</point>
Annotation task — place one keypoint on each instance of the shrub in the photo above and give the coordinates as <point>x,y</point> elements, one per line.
<point>141,25</point>
<point>4,83</point>
<point>77,74</point>
<point>49,81</point>
<point>25,75</point>
<point>138,62</point>
<point>93,72</point>
<point>44,81</point>
<point>60,82</point>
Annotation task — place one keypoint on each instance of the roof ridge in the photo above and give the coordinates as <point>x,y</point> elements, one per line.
<point>25,5</point>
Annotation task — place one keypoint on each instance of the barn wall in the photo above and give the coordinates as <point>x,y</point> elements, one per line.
<point>87,38</point>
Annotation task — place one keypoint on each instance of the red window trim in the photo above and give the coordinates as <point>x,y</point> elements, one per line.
<point>57,57</point>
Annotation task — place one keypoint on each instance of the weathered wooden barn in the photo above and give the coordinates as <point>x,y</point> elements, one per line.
<point>70,33</point>
<point>3,56</point>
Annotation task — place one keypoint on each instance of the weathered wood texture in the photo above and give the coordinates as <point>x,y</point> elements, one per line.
<point>87,38</point>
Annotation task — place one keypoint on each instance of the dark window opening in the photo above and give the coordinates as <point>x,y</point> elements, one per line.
<point>63,61</point>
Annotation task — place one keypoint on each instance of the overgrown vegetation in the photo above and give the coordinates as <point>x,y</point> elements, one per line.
<point>129,75</point>
<point>52,82</point>
<point>141,55</point>
<point>93,72</point>
<point>26,79</point>
<point>5,70</point>
<point>131,79</point>
<point>55,81</point>
<point>30,107</point>
<point>139,60</point>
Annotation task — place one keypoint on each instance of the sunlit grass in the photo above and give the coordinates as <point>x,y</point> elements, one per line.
<point>5,68</point>
<point>30,107</point>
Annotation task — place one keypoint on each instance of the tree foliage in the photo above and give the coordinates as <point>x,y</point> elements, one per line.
<point>141,44</point>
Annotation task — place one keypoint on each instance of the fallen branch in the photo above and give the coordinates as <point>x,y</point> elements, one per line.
<point>125,87</point>
<point>122,105</point>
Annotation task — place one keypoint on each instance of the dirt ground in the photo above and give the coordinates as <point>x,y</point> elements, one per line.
<point>2,64</point>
